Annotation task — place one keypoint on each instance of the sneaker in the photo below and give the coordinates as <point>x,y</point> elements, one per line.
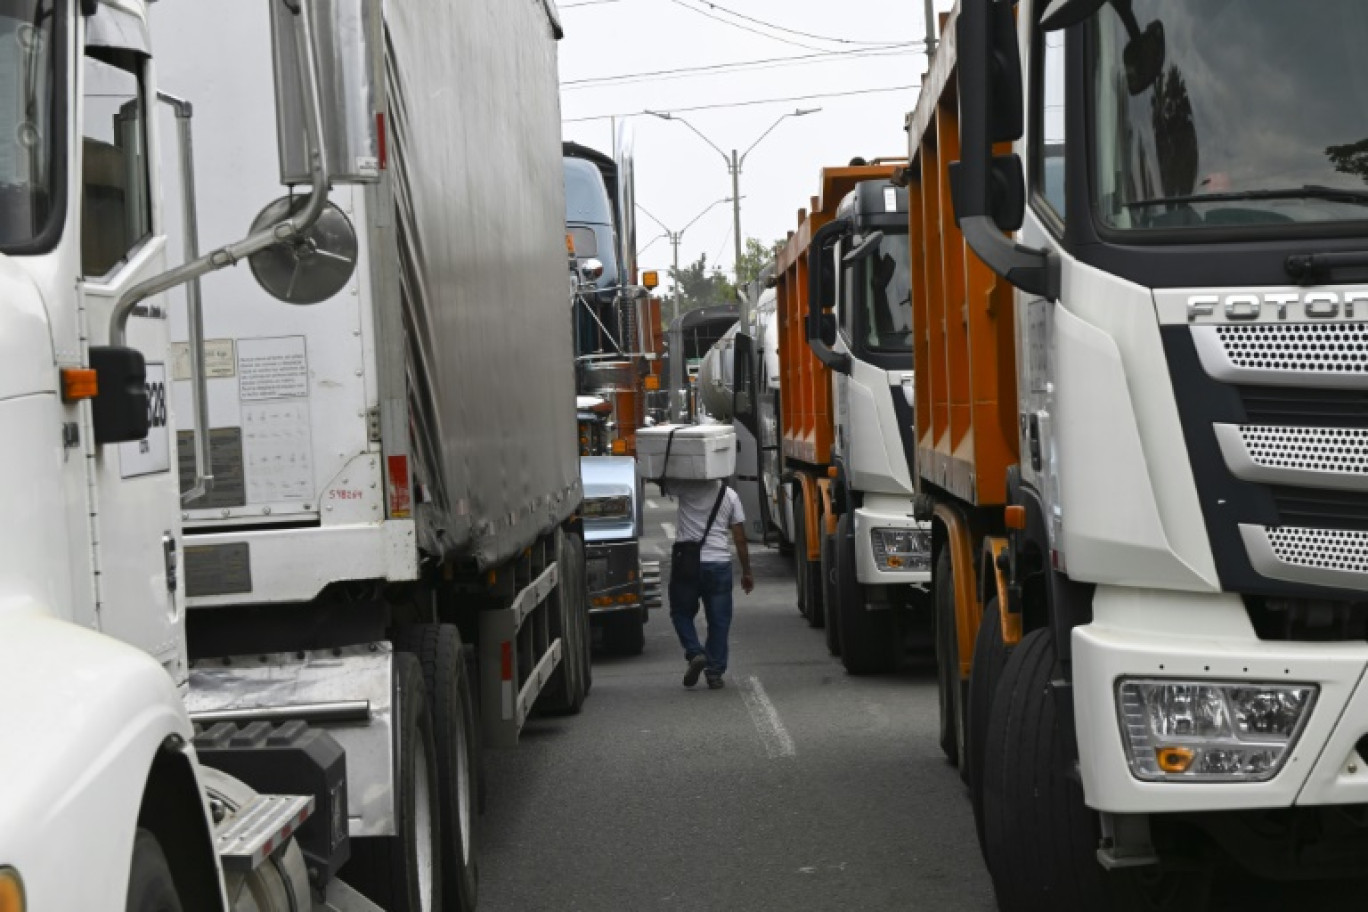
<point>715,682</point>
<point>696,666</point>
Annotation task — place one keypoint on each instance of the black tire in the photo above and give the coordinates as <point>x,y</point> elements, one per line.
<point>472,665</point>
<point>452,702</point>
<point>949,682</point>
<point>868,641</point>
<point>990,656</point>
<point>624,632</point>
<point>564,694</point>
<point>820,581</point>
<point>151,888</point>
<point>832,597</point>
<point>1041,839</point>
<point>800,556</point>
<point>385,868</point>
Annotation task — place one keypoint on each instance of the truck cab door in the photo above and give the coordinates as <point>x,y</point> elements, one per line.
<point>136,500</point>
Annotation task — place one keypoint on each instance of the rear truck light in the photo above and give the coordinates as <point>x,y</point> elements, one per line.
<point>401,496</point>
<point>901,550</point>
<point>1210,731</point>
<point>11,891</point>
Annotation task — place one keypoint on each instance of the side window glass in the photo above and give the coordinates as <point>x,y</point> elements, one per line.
<point>1050,152</point>
<point>115,202</point>
<point>848,290</point>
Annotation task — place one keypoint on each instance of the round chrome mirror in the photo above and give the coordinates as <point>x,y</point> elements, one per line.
<point>310,270</point>
<point>591,270</point>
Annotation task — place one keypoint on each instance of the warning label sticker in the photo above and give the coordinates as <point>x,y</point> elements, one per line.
<point>272,369</point>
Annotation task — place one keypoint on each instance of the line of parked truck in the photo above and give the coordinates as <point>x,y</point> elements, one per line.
<point>1070,396</point>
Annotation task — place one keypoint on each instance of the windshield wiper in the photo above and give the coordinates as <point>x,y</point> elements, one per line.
<point>1309,191</point>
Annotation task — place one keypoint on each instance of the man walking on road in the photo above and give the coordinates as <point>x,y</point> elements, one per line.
<point>707,510</point>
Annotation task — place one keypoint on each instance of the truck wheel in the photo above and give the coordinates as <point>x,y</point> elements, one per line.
<point>820,583</point>
<point>438,649</point>
<point>950,686</point>
<point>624,632</point>
<point>1041,839</point>
<point>868,644</point>
<point>564,694</point>
<point>402,873</point>
<point>800,558</point>
<point>832,599</point>
<point>151,888</point>
<point>990,655</point>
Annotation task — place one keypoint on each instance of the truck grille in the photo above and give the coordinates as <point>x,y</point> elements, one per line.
<point>1321,348</point>
<point>1321,408</point>
<point>1341,451</point>
<point>1319,508</point>
<point>1321,549</point>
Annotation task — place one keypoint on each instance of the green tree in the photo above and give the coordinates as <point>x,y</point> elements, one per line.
<point>756,257</point>
<point>700,286</point>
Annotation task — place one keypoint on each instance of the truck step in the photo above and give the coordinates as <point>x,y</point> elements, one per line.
<point>259,828</point>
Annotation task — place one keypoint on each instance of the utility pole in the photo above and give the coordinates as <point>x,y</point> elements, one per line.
<point>734,163</point>
<point>676,237</point>
<point>930,29</point>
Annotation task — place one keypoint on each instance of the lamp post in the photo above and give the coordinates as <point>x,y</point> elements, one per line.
<point>734,163</point>
<point>675,237</point>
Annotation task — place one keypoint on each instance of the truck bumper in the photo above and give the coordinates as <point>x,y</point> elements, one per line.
<point>294,565</point>
<point>1191,636</point>
<point>887,512</point>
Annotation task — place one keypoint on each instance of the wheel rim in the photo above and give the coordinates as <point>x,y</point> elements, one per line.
<point>423,833</point>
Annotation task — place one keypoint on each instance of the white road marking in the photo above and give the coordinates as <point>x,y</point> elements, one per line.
<point>651,504</point>
<point>777,741</point>
<point>669,530</point>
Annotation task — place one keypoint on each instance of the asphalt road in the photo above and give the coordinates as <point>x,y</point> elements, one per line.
<point>796,787</point>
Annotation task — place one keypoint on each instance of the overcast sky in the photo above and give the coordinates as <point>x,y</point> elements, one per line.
<point>678,174</point>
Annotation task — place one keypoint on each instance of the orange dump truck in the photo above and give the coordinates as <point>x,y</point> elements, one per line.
<point>845,415</point>
<point>1140,346</point>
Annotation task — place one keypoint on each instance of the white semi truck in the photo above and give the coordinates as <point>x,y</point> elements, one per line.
<point>363,498</point>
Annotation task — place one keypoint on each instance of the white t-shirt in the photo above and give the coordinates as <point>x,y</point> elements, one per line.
<point>696,499</point>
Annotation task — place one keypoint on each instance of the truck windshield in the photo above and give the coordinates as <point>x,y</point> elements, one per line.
<point>1253,115</point>
<point>27,195</point>
<point>888,298</point>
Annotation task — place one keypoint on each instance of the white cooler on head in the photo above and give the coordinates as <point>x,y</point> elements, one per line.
<point>699,452</point>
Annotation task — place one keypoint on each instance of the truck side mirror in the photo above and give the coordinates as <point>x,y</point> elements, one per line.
<point>346,46</point>
<point>821,328</point>
<point>119,410</point>
<point>989,191</point>
<point>867,247</point>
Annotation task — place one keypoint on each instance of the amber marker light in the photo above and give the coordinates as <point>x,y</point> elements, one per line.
<point>1014,517</point>
<point>79,383</point>
<point>1174,760</point>
<point>11,891</point>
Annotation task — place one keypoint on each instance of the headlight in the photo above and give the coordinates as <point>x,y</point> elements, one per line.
<point>11,891</point>
<point>1208,731</point>
<point>901,549</point>
<point>608,507</point>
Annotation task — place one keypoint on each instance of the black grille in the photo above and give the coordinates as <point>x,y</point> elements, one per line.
<point>1291,407</point>
<point>1318,509</point>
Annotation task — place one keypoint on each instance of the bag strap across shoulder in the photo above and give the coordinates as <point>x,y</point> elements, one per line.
<point>722,493</point>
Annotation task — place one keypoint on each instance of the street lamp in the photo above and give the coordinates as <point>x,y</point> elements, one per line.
<point>734,164</point>
<point>677,236</point>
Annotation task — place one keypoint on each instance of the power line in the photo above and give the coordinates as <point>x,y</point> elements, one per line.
<point>746,104</point>
<point>566,6</point>
<point>780,28</point>
<point>770,63</point>
<point>745,28</point>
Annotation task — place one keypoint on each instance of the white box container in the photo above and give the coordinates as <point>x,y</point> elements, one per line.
<point>699,452</point>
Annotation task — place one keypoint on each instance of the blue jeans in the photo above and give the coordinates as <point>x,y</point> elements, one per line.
<point>714,588</point>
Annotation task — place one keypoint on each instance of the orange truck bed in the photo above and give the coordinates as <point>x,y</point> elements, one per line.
<point>962,315</point>
<point>807,419</point>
